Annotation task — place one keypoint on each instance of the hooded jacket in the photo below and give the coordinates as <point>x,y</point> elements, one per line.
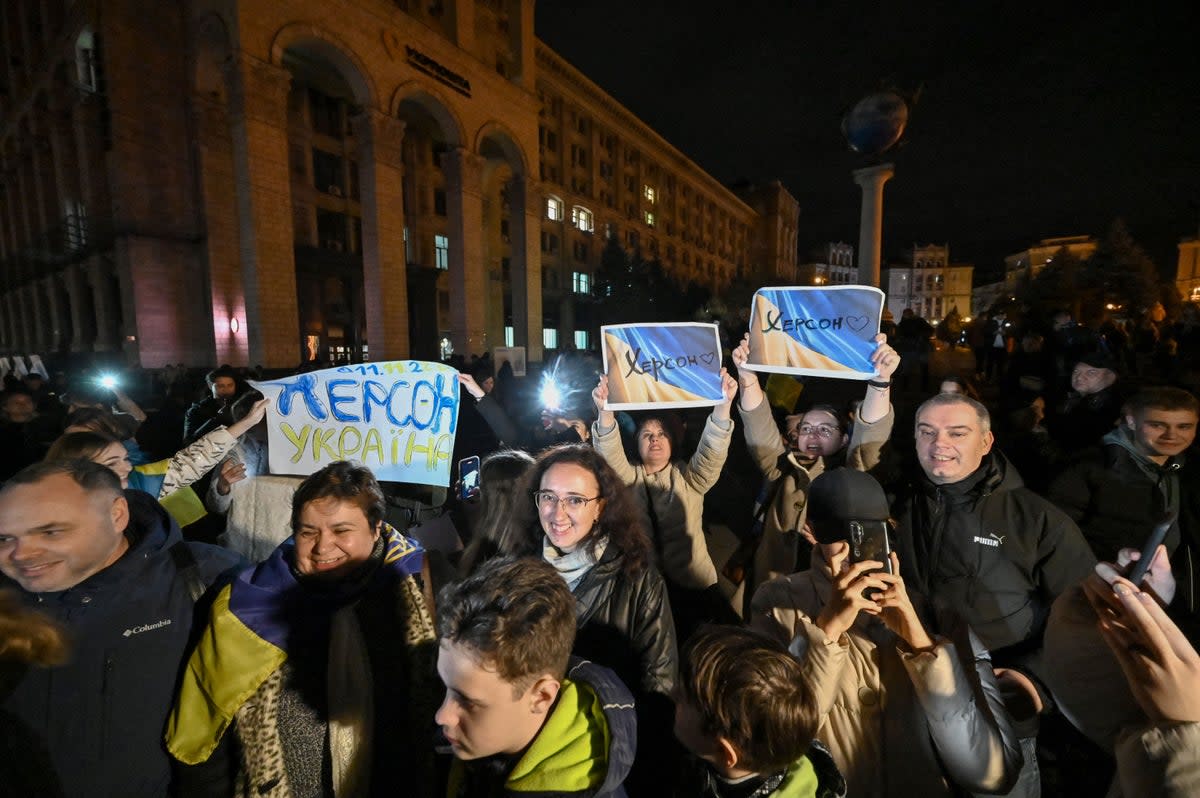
<point>1116,495</point>
<point>101,715</point>
<point>585,748</point>
<point>898,723</point>
<point>992,550</point>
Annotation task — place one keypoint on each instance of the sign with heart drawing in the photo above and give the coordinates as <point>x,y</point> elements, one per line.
<point>824,332</point>
<point>662,365</point>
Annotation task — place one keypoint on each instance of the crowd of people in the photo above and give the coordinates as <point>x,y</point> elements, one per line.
<point>945,584</point>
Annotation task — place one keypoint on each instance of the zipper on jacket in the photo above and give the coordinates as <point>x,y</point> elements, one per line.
<point>106,688</point>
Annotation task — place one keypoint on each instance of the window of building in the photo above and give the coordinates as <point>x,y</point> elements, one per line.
<point>1196,294</point>
<point>408,248</point>
<point>582,218</point>
<point>581,125</point>
<point>549,242</point>
<point>551,141</point>
<point>606,170</point>
<point>578,156</point>
<point>85,61</point>
<point>649,218</point>
<point>581,339</point>
<point>581,251</point>
<point>554,209</point>
<point>441,249</point>
<point>581,282</point>
<point>326,112</point>
<point>327,173</point>
<point>331,230</point>
<point>439,201</point>
<point>510,337</point>
<point>610,230</point>
<point>550,338</point>
<point>631,239</point>
<point>649,192</point>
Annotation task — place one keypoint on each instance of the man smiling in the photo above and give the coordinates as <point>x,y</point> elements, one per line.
<point>113,569</point>
<point>1117,491</point>
<point>974,539</point>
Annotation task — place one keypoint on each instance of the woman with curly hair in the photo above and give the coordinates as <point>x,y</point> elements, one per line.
<point>589,528</point>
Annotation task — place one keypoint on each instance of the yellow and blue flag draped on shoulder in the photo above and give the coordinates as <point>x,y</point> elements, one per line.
<point>825,332</point>
<point>662,365</point>
<point>253,623</point>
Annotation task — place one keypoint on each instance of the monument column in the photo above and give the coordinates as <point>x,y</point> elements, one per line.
<point>83,323</point>
<point>870,224</point>
<point>464,206</point>
<point>380,140</point>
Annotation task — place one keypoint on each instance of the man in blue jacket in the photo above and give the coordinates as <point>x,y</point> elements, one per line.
<point>112,568</point>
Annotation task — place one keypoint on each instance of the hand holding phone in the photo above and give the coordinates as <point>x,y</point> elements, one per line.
<point>468,478</point>
<point>869,541</point>
<point>1138,571</point>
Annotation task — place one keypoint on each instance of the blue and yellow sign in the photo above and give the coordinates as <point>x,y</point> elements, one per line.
<point>825,332</point>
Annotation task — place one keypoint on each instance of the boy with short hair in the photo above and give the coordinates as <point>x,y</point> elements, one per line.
<point>520,714</point>
<point>744,708</point>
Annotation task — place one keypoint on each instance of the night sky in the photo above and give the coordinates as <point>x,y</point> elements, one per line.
<point>1031,122</point>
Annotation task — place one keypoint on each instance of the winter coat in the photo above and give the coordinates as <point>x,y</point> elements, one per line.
<point>1117,495</point>
<point>624,623</point>
<point>992,550</point>
<point>814,775</point>
<point>777,552</point>
<point>325,686</point>
<point>101,715</point>
<point>585,748</point>
<point>944,727</point>
<point>672,500</point>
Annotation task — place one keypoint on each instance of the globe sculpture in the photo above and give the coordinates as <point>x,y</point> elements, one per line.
<point>876,123</point>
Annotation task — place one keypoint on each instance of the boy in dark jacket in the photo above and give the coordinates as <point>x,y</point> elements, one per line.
<point>520,715</point>
<point>744,708</point>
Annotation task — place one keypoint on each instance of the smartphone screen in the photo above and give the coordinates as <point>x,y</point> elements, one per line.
<point>468,478</point>
<point>869,541</point>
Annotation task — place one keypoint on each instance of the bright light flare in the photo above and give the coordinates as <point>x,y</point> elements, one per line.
<point>550,393</point>
<point>108,381</point>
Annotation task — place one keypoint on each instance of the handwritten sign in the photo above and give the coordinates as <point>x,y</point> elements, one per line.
<point>826,332</point>
<point>662,365</point>
<point>398,418</point>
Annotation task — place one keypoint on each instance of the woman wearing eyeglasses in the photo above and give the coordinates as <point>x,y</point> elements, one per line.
<point>588,527</point>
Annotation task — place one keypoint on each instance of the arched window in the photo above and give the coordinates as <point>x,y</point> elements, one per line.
<point>582,218</point>
<point>554,209</point>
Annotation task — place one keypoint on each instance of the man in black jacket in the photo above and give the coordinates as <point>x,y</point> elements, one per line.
<point>212,411</point>
<point>1118,490</point>
<point>112,568</point>
<point>973,537</point>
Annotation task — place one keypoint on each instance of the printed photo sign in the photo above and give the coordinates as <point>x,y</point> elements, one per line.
<point>662,365</point>
<point>824,332</point>
<point>398,418</point>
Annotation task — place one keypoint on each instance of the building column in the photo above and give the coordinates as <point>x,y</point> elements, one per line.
<point>218,188</point>
<point>65,156</point>
<point>464,206</point>
<point>57,328</point>
<point>83,322</point>
<point>870,224</point>
<point>258,123</point>
<point>525,229</point>
<point>24,309</point>
<point>107,305</point>
<point>380,140</point>
<point>12,332</point>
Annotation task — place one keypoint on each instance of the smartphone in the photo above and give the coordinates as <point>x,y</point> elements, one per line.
<point>468,477</point>
<point>1138,570</point>
<point>869,541</point>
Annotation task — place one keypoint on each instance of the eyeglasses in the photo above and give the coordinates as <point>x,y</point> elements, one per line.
<point>821,430</point>
<point>548,500</point>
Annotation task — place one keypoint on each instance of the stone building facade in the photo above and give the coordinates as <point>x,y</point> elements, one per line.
<point>929,283</point>
<point>258,182</point>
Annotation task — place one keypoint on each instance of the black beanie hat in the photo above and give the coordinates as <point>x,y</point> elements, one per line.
<point>840,496</point>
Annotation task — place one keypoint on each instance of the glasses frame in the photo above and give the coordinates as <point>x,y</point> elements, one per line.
<point>538,494</point>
